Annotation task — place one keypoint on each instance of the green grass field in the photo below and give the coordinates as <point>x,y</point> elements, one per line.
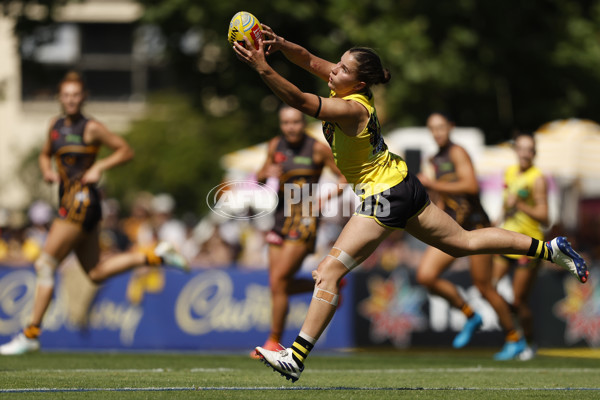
<point>411,374</point>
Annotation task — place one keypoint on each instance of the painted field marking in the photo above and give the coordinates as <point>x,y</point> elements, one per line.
<point>291,388</point>
<point>320,371</point>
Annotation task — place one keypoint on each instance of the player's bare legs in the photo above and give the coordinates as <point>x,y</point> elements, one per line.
<point>88,253</point>
<point>357,241</point>
<point>436,228</point>
<point>284,263</point>
<point>523,280</point>
<point>62,238</point>
<point>481,273</point>
<point>359,238</point>
<point>433,263</point>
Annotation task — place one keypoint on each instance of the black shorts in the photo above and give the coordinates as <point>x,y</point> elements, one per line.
<point>392,208</point>
<point>80,204</point>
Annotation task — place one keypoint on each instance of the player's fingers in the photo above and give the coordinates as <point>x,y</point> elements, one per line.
<point>240,52</point>
<point>261,46</point>
<point>267,29</point>
<point>247,42</point>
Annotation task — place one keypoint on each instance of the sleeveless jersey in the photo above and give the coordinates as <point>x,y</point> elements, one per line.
<point>298,168</point>
<point>78,203</point>
<point>521,184</point>
<point>466,209</point>
<point>364,159</point>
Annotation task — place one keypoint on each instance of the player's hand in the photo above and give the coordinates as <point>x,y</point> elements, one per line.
<point>272,42</point>
<point>50,176</point>
<point>255,58</point>
<point>511,200</point>
<point>92,175</point>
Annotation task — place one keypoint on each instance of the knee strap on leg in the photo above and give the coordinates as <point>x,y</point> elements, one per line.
<point>343,257</point>
<point>45,266</point>
<point>326,296</point>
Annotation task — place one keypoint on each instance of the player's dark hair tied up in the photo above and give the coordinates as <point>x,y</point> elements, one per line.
<point>370,69</point>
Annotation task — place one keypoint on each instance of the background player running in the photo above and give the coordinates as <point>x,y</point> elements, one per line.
<point>456,187</point>
<point>525,211</point>
<point>74,141</point>
<point>297,159</point>
<point>391,196</point>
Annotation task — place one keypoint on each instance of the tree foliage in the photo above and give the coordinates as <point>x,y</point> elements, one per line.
<point>177,151</point>
<point>497,65</point>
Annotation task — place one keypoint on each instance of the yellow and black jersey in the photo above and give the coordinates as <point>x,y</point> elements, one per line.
<point>521,184</point>
<point>364,159</point>
<point>78,203</point>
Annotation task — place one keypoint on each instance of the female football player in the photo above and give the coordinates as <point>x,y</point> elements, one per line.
<point>456,187</point>
<point>392,198</point>
<point>296,159</point>
<point>525,211</point>
<point>74,141</point>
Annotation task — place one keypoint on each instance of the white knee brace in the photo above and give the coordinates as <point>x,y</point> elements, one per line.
<point>45,266</point>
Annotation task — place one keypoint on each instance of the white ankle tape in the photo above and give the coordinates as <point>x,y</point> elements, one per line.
<point>326,296</point>
<point>342,257</point>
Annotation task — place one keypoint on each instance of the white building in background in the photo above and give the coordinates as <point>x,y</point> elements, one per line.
<point>96,37</point>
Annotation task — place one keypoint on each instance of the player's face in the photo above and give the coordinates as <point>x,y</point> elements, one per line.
<point>343,77</point>
<point>71,97</point>
<point>525,149</point>
<point>292,125</point>
<point>440,128</point>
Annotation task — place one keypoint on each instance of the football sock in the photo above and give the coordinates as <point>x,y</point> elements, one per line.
<point>539,249</point>
<point>513,336</point>
<point>301,347</point>
<point>152,258</point>
<point>32,331</point>
<point>467,310</point>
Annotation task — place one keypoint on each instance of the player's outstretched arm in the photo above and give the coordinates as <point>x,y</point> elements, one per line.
<point>349,113</point>
<point>296,54</point>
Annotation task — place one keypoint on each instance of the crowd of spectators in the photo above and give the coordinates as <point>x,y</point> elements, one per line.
<point>208,242</point>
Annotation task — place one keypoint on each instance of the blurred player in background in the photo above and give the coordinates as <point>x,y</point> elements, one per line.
<point>392,198</point>
<point>525,211</point>
<point>74,141</point>
<point>293,158</point>
<point>456,190</point>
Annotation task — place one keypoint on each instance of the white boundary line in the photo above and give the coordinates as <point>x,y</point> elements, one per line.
<point>290,388</point>
<point>321,371</point>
